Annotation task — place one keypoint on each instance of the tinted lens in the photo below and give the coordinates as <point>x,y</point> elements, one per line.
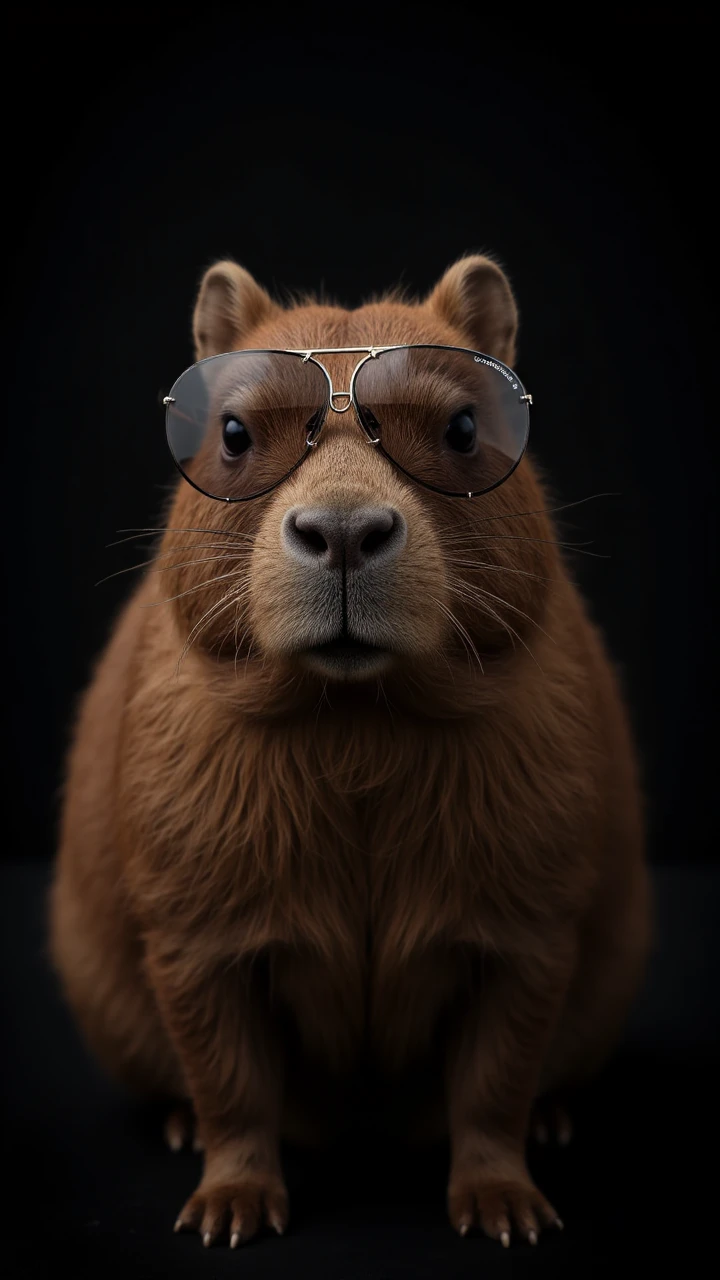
<point>237,424</point>
<point>452,419</point>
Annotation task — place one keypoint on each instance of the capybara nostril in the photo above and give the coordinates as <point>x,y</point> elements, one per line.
<point>337,538</point>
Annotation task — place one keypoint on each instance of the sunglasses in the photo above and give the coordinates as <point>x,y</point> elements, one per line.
<point>453,420</point>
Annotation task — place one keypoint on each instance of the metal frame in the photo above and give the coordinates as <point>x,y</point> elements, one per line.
<point>313,439</point>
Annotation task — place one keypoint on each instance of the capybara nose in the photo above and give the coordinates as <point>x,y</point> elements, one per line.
<point>334,538</point>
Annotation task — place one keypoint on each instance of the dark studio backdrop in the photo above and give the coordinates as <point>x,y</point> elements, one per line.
<point>351,152</point>
<point>342,157</point>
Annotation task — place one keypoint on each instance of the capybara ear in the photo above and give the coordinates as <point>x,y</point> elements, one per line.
<point>230,304</point>
<point>475,297</point>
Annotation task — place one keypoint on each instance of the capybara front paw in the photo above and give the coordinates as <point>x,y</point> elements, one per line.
<point>500,1206</point>
<point>236,1209</point>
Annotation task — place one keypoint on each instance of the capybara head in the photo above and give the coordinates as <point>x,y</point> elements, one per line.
<point>349,569</point>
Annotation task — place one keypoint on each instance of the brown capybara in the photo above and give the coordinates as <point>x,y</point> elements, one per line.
<point>352,793</point>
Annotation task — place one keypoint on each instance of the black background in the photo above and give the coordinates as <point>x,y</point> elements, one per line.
<point>352,150</point>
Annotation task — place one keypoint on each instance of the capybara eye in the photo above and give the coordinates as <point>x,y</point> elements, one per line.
<point>460,434</point>
<point>236,437</point>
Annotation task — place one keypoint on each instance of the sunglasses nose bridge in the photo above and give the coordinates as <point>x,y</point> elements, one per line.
<point>335,399</point>
<point>338,401</point>
<point>313,438</point>
<point>340,395</point>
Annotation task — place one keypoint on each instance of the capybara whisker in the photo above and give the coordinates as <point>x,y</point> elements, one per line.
<point>547,511</point>
<point>163,568</point>
<point>472,589</point>
<point>201,586</point>
<point>498,568</point>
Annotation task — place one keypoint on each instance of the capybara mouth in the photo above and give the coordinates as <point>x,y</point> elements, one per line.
<point>347,658</point>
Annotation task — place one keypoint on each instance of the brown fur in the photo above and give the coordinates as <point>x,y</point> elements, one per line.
<point>265,880</point>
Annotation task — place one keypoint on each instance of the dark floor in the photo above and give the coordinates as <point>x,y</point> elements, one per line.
<point>93,1191</point>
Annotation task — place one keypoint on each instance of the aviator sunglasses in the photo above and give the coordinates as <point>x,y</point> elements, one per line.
<point>453,420</point>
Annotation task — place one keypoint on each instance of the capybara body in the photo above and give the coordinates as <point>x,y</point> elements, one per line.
<point>275,869</point>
